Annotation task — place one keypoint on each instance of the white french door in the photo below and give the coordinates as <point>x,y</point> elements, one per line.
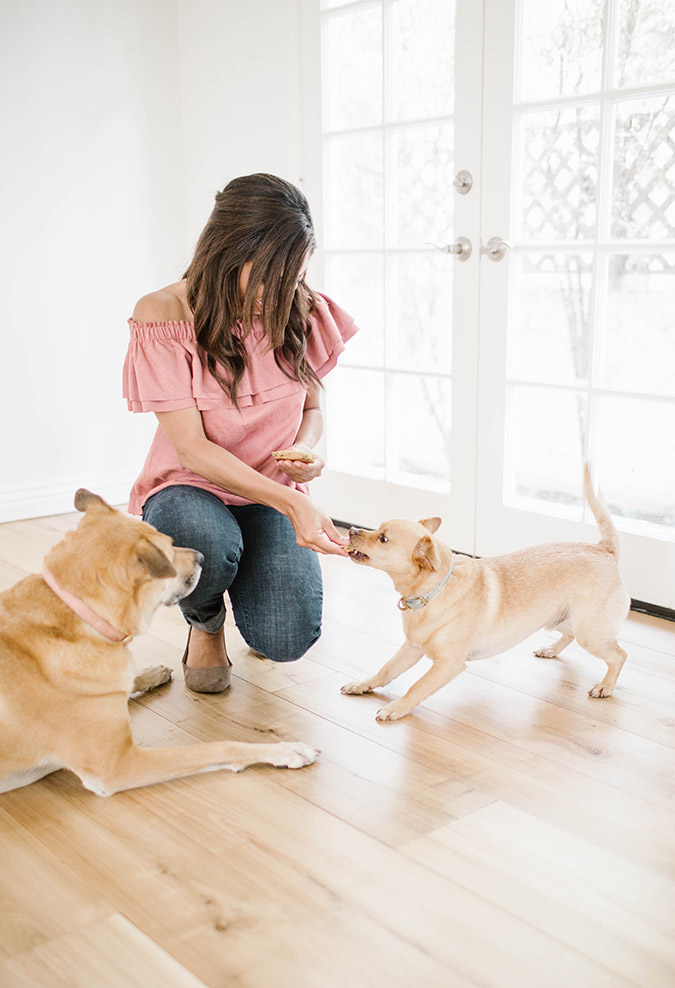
<point>401,409</point>
<point>481,381</point>
<point>577,335</point>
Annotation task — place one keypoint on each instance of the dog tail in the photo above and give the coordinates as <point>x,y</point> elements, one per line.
<point>608,534</point>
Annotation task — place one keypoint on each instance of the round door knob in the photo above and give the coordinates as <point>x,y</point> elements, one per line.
<point>463,182</point>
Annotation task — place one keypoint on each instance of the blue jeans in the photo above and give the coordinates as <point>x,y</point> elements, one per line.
<point>250,551</point>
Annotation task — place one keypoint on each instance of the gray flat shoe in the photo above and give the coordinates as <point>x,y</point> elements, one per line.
<point>214,679</point>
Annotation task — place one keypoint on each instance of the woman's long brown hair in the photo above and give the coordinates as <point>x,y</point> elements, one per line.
<point>265,220</point>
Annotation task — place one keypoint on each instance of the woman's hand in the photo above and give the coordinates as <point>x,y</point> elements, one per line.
<point>299,472</point>
<point>313,528</point>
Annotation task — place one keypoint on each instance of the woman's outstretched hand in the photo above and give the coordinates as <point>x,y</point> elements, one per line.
<point>297,470</point>
<point>314,529</point>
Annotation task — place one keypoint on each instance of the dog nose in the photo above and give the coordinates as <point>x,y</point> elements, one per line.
<point>354,531</point>
<point>199,559</point>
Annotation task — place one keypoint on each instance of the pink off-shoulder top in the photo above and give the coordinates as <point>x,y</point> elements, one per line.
<point>163,372</point>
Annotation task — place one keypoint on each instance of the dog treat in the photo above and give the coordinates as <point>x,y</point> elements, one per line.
<point>294,454</point>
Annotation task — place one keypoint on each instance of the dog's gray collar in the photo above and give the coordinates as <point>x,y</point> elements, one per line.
<point>412,603</point>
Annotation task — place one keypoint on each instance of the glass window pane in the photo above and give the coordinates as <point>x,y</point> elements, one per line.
<point>355,417</point>
<point>354,206</point>
<point>356,282</point>
<point>643,201</point>
<point>545,443</point>
<point>420,431</point>
<point>352,69</point>
<point>635,458</point>
<point>558,152</point>
<point>638,349</point>
<point>421,185</point>
<point>422,34</point>
<point>549,326</point>
<point>646,50</point>
<point>419,311</point>
<point>376,261</point>
<point>560,50</point>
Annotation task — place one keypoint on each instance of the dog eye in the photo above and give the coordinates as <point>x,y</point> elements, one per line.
<point>383,538</point>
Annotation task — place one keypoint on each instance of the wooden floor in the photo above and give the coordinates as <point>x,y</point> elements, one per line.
<point>512,832</point>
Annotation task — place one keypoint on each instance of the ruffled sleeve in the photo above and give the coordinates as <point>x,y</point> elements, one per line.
<point>163,371</point>
<point>332,327</point>
<point>159,366</point>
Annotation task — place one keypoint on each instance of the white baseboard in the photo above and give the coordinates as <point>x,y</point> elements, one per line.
<point>19,501</point>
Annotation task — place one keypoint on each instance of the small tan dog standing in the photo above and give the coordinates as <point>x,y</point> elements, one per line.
<point>456,608</point>
<point>65,671</point>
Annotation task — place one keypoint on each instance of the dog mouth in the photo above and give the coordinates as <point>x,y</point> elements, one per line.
<point>357,555</point>
<point>186,587</point>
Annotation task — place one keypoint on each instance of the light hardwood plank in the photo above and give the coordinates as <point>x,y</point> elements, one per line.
<point>41,897</point>
<point>578,893</point>
<point>106,954</point>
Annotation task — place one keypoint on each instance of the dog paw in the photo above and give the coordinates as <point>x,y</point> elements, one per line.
<point>150,679</point>
<point>599,691</point>
<point>355,689</point>
<point>162,674</point>
<point>390,712</point>
<point>546,653</point>
<point>293,754</point>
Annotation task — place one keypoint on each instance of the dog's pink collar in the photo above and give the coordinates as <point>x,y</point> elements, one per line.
<point>85,612</point>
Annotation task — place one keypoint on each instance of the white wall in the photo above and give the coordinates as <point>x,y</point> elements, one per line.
<point>240,94</point>
<point>120,121</point>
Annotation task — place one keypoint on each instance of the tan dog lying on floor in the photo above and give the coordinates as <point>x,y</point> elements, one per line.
<point>66,673</point>
<point>456,608</point>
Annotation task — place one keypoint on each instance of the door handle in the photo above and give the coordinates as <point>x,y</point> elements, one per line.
<point>461,248</point>
<point>495,248</point>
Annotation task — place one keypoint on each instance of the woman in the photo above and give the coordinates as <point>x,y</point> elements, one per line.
<point>230,359</point>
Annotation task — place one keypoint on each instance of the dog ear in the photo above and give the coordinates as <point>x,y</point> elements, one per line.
<point>154,561</point>
<point>431,524</point>
<point>84,500</point>
<point>425,554</point>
